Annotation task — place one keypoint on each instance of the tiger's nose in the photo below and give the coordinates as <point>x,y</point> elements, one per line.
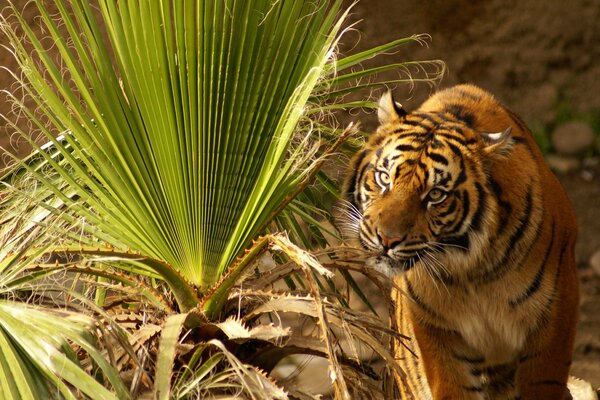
<point>386,240</point>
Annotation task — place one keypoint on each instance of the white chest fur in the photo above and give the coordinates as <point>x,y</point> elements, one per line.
<point>483,318</point>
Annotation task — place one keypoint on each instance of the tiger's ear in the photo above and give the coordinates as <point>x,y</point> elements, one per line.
<point>389,110</point>
<point>497,143</point>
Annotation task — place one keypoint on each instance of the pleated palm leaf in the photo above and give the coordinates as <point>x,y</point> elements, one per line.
<point>178,132</point>
<point>41,345</point>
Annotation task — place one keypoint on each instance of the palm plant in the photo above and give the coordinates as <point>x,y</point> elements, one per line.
<point>179,135</point>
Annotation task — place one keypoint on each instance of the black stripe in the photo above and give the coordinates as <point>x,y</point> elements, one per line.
<point>528,357</point>
<point>438,158</point>
<point>361,174</point>
<point>433,118</point>
<point>412,123</point>
<point>563,251</point>
<point>478,215</point>
<point>505,206</point>
<point>502,267</point>
<point>368,224</point>
<point>502,377</point>
<point>386,163</point>
<point>363,242</point>
<point>476,389</point>
<point>552,296</point>
<point>444,181</point>
<point>419,302</point>
<point>450,210</point>
<point>354,178</point>
<point>469,359</point>
<point>466,205</point>
<point>459,111</point>
<point>455,149</point>
<point>453,134</point>
<point>421,165</point>
<point>498,369</point>
<point>461,242</point>
<point>425,175</point>
<point>519,139</point>
<point>403,134</point>
<point>397,169</point>
<point>535,285</point>
<point>466,94</point>
<point>458,223</point>
<point>407,148</point>
<point>462,176</point>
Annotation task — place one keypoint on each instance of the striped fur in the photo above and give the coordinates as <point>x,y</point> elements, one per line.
<point>456,204</point>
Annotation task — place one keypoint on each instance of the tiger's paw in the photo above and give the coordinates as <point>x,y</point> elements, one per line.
<point>581,390</point>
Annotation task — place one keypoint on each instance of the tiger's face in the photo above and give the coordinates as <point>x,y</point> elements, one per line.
<point>419,189</point>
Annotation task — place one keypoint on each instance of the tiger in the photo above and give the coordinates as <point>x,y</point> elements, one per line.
<point>455,204</point>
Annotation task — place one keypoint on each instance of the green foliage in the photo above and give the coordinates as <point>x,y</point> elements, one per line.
<point>541,135</point>
<point>178,132</point>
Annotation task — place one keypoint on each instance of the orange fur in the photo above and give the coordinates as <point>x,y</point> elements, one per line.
<point>456,203</point>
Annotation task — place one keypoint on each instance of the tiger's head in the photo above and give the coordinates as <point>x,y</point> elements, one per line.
<point>420,191</point>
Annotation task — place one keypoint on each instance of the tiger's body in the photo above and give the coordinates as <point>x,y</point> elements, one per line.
<point>457,205</point>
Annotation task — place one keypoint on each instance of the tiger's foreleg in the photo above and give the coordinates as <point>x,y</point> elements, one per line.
<point>450,375</point>
<point>545,370</point>
<point>546,361</point>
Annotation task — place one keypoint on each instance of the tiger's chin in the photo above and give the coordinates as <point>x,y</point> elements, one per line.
<point>389,266</point>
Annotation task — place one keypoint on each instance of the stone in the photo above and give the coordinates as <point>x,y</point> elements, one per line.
<point>563,164</point>
<point>573,138</point>
<point>595,262</point>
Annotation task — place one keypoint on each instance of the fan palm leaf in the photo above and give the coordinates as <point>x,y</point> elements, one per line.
<point>178,132</point>
<point>37,343</point>
<point>183,150</point>
<point>179,150</point>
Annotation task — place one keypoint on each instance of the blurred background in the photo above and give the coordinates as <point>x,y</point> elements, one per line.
<point>540,58</point>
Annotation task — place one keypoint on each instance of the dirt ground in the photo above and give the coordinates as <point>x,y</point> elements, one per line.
<point>538,57</point>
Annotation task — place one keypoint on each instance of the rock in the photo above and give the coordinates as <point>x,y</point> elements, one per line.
<point>563,164</point>
<point>595,262</point>
<point>572,138</point>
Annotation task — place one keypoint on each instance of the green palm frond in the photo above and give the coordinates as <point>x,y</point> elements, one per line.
<point>179,150</point>
<point>38,344</point>
<point>182,150</point>
<point>37,359</point>
<point>178,133</point>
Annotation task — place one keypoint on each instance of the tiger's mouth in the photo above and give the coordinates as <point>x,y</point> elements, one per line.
<point>392,266</point>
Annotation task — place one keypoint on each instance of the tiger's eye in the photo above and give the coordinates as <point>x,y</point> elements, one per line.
<point>382,178</point>
<point>436,196</point>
